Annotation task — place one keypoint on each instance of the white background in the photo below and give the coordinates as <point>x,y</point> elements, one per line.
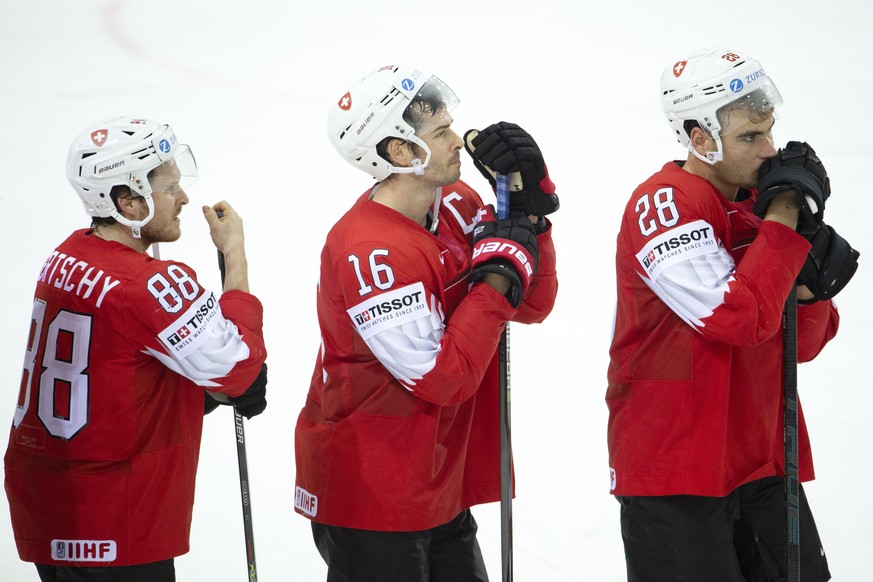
<point>248,86</point>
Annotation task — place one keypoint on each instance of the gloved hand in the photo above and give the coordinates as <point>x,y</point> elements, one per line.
<point>250,403</point>
<point>796,167</point>
<point>507,247</point>
<point>830,265</point>
<point>506,148</point>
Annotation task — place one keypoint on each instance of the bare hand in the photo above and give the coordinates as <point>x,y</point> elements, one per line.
<point>225,227</point>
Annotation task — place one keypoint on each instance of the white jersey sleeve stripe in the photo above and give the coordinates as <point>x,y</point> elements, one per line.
<point>219,349</point>
<point>409,351</point>
<point>694,287</point>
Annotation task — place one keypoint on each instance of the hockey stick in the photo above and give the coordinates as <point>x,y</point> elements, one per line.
<point>792,486</point>
<point>505,420</point>
<point>242,461</point>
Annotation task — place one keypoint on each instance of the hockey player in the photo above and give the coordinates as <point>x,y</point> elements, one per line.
<point>121,351</point>
<point>695,390</point>
<point>399,434</point>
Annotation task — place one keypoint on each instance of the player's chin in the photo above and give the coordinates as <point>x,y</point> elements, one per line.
<point>171,234</point>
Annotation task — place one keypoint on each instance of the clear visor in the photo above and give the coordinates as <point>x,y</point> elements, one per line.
<point>430,107</point>
<point>755,106</point>
<point>187,165</point>
<point>178,172</point>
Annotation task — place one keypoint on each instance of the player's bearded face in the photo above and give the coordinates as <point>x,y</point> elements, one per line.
<point>169,198</point>
<point>747,140</point>
<point>445,154</point>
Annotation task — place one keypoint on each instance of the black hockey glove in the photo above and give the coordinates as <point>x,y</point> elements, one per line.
<point>507,247</point>
<point>250,403</point>
<point>505,148</point>
<point>253,401</point>
<point>210,402</point>
<point>796,167</point>
<point>830,265</point>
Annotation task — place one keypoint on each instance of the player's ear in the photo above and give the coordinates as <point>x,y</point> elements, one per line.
<point>698,140</point>
<point>130,206</point>
<point>399,152</point>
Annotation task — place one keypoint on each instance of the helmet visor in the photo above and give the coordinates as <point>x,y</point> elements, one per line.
<point>178,172</point>
<point>430,107</point>
<point>759,103</point>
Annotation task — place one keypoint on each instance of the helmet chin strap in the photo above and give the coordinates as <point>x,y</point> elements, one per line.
<point>136,225</point>
<point>711,157</point>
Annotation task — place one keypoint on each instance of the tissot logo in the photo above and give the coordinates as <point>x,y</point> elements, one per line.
<point>391,309</point>
<point>650,258</point>
<point>385,307</point>
<point>677,245</point>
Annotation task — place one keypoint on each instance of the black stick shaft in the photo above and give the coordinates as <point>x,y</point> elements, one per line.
<point>242,461</point>
<point>792,483</point>
<point>505,457</point>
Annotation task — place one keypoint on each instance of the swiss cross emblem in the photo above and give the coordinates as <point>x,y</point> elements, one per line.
<point>98,137</point>
<point>678,68</point>
<point>183,332</point>
<point>345,102</point>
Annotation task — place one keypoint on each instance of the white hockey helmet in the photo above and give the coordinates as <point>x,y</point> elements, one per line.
<point>379,106</point>
<point>121,152</point>
<point>698,87</point>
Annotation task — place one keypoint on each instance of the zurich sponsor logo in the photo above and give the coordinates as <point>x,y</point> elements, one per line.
<point>164,146</point>
<point>407,84</point>
<point>736,85</point>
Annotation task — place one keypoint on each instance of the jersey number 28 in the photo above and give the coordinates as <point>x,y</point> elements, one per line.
<point>664,210</point>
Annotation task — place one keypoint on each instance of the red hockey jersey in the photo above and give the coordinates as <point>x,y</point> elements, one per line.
<point>695,374</point>
<point>400,427</point>
<point>103,450</point>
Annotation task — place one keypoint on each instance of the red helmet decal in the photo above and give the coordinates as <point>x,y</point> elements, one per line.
<point>678,68</point>
<point>98,137</point>
<point>345,102</point>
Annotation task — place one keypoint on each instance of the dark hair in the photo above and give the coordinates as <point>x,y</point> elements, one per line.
<point>689,125</point>
<point>428,101</point>
<point>757,103</point>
